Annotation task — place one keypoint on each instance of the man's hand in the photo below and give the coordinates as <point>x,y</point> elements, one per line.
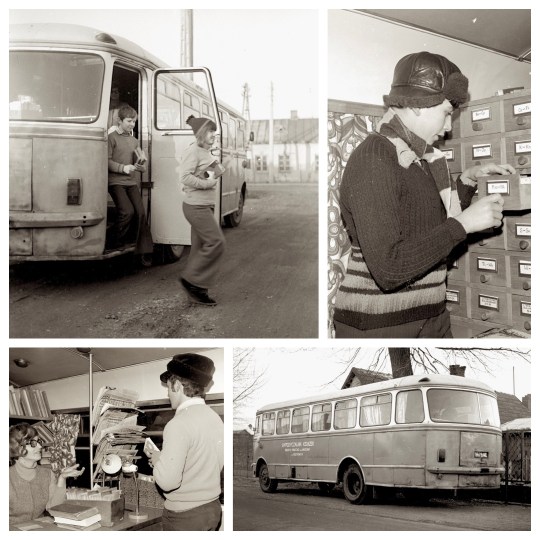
<point>483,214</point>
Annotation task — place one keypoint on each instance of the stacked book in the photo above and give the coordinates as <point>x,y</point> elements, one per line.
<point>28,402</point>
<point>75,517</point>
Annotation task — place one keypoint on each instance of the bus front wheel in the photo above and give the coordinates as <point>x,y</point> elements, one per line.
<point>353,485</point>
<point>268,485</point>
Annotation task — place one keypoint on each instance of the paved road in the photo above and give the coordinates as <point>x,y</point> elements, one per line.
<point>268,286</point>
<point>302,507</point>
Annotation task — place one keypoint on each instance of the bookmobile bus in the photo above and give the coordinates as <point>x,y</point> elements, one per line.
<point>436,432</point>
<point>60,83</point>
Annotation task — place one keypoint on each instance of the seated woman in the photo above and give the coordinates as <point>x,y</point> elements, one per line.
<point>32,488</point>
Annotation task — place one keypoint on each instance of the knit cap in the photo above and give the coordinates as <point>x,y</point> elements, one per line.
<point>198,123</point>
<point>425,79</point>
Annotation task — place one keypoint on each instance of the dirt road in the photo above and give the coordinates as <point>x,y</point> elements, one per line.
<point>268,285</point>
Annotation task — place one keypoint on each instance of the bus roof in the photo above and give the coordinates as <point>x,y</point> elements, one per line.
<point>84,37</point>
<point>413,381</point>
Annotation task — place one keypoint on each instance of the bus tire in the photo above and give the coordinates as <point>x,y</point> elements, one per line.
<point>171,252</point>
<point>354,487</point>
<point>268,485</point>
<point>234,219</point>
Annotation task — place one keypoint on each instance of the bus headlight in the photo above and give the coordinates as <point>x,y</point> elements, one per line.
<point>77,233</point>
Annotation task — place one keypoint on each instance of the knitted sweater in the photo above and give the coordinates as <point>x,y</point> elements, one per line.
<point>400,237</point>
<point>121,152</point>
<point>28,499</point>
<point>189,465</point>
<point>194,162</point>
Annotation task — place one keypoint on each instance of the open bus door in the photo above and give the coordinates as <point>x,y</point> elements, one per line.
<point>177,93</point>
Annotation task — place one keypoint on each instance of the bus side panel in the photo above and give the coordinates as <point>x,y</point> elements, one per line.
<point>54,162</point>
<point>359,446</point>
<point>404,454</point>
<point>449,442</point>
<point>20,174</point>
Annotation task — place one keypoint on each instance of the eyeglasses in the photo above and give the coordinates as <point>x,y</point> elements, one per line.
<point>34,442</point>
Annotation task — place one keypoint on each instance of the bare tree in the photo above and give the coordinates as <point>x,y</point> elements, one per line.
<point>247,377</point>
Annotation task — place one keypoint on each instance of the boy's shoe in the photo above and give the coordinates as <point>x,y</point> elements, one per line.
<point>197,294</point>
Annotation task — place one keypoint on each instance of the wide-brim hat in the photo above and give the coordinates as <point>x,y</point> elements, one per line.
<point>191,366</point>
<point>425,79</point>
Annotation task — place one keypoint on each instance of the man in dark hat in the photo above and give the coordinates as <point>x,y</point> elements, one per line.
<point>403,211</point>
<point>188,468</point>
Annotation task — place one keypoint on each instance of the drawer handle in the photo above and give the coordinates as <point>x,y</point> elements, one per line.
<point>521,121</point>
<point>485,316</point>
<point>522,160</point>
<point>484,278</point>
<point>526,285</point>
<point>523,244</point>
<point>527,325</point>
<point>477,126</point>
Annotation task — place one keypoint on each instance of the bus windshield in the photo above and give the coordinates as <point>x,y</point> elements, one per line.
<point>463,407</point>
<point>55,86</point>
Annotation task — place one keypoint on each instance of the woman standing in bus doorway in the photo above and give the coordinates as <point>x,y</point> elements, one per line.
<point>199,187</point>
<point>124,188</point>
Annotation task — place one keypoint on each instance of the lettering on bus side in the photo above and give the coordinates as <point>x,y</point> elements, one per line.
<point>297,448</point>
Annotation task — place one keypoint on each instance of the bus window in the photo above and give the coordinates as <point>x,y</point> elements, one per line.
<point>232,133</point>
<point>168,106</point>
<point>375,410</point>
<point>300,420</point>
<point>460,406</point>
<point>345,414</point>
<point>225,127</point>
<point>191,105</point>
<point>206,110</point>
<point>55,86</point>
<point>240,138</point>
<point>320,417</point>
<point>489,411</point>
<point>283,422</point>
<point>409,407</point>
<point>268,423</point>
<point>258,424</point>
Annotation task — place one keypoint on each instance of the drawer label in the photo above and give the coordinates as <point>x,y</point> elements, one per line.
<point>498,186</point>
<point>448,154</point>
<point>488,265</point>
<point>481,114</point>
<point>488,302</point>
<point>481,150</point>
<point>525,308</point>
<point>525,180</point>
<point>522,108</point>
<point>524,268</point>
<point>522,147</point>
<point>452,296</point>
<point>523,230</point>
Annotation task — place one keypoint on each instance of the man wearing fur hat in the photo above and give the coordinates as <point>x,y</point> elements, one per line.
<point>404,213</point>
<point>188,468</point>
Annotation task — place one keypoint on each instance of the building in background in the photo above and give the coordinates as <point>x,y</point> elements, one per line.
<point>292,155</point>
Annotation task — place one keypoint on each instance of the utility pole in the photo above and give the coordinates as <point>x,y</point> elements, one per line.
<point>247,115</point>
<point>186,37</point>
<point>271,135</point>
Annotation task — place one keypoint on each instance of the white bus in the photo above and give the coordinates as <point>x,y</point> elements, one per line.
<point>60,82</point>
<point>431,432</point>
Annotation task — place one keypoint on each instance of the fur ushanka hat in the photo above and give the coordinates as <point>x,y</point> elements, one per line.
<point>425,79</point>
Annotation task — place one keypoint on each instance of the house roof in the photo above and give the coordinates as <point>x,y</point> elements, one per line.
<point>288,130</point>
<point>358,377</point>
<point>510,407</point>
<point>518,424</point>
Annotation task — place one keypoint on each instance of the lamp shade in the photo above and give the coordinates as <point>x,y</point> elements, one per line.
<point>111,463</point>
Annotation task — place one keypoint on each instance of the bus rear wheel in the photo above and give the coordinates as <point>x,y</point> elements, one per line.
<point>268,485</point>
<point>354,486</point>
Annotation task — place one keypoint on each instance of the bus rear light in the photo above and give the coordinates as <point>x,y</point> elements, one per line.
<point>74,191</point>
<point>441,457</point>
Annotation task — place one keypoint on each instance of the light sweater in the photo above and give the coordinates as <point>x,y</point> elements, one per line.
<point>400,236</point>
<point>28,499</point>
<point>194,162</point>
<point>189,465</point>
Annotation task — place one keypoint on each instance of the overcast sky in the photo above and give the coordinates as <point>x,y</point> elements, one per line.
<point>253,46</point>
<point>299,372</point>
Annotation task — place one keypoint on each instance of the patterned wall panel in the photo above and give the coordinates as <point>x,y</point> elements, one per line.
<point>348,125</point>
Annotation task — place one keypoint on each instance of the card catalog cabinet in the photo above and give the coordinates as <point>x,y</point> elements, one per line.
<point>489,280</point>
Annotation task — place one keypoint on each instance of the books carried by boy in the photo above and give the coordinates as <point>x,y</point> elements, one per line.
<point>140,155</point>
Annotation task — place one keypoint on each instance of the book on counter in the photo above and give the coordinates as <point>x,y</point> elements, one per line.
<point>79,523</point>
<point>73,512</point>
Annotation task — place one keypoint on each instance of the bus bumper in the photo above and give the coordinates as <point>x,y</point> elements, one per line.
<point>464,477</point>
<point>32,220</point>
